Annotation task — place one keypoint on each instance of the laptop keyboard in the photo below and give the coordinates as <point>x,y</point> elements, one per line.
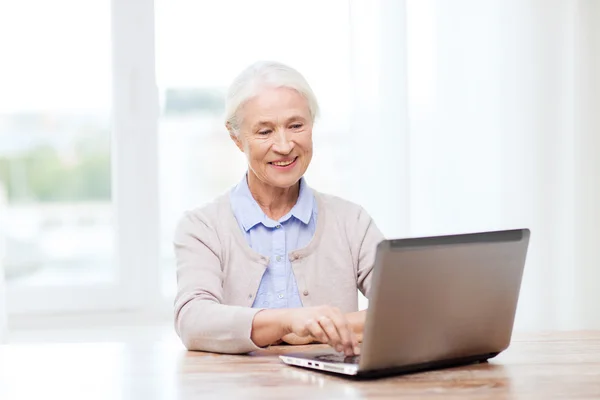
<point>338,358</point>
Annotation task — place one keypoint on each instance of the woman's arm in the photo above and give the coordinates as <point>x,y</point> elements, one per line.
<point>267,327</point>
<point>202,321</point>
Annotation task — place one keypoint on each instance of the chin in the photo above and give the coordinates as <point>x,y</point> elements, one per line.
<point>284,182</point>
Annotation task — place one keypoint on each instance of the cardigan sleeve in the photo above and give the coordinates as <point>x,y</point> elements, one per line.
<point>201,320</point>
<point>365,240</point>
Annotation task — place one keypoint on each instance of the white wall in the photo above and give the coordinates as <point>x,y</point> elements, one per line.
<point>379,122</point>
<point>587,164</point>
<point>499,130</point>
<point>484,124</point>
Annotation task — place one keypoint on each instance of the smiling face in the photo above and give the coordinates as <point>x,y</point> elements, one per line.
<point>275,134</point>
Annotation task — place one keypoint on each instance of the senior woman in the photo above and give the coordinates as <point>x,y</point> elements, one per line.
<point>273,260</point>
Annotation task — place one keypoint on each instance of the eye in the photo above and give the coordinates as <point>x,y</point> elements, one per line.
<point>264,132</point>
<point>297,126</point>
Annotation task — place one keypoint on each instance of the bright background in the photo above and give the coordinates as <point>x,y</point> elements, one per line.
<point>438,117</point>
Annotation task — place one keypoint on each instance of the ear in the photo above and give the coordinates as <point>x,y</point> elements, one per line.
<point>235,137</point>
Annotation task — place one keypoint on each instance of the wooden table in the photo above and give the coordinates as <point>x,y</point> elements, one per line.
<point>543,366</point>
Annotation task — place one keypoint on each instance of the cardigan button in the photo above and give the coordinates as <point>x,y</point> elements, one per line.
<point>305,293</point>
<point>250,296</point>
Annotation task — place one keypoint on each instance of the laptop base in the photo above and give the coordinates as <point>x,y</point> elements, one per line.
<point>351,370</point>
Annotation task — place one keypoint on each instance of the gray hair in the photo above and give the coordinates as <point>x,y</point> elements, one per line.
<point>258,76</point>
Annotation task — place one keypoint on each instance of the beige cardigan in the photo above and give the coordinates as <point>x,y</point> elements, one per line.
<point>218,274</point>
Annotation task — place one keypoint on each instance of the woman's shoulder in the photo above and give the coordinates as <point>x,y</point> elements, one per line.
<point>208,216</point>
<point>351,219</point>
<point>343,210</point>
<point>337,205</point>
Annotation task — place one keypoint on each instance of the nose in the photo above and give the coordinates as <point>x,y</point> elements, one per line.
<point>283,144</point>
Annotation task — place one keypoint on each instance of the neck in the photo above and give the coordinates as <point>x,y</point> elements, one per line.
<point>274,201</point>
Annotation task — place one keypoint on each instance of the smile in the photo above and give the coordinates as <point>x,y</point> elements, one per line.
<point>284,163</point>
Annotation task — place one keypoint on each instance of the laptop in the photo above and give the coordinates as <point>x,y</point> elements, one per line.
<point>435,302</point>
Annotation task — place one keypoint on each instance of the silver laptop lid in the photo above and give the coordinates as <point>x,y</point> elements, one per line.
<point>440,298</point>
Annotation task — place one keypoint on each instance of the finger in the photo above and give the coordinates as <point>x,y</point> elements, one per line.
<point>355,343</point>
<point>331,330</point>
<point>344,332</point>
<point>315,330</point>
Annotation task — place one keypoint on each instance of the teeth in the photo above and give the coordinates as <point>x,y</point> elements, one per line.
<point>283,163</point>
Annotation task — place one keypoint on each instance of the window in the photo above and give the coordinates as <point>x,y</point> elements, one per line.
<point>55,159</point>
<point>78,155</point>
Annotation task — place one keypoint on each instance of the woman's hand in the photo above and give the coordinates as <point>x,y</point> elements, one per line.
<point>292,338</point>
<point>325,324</point>
<point>308,325</point>
<point>356,320</point>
